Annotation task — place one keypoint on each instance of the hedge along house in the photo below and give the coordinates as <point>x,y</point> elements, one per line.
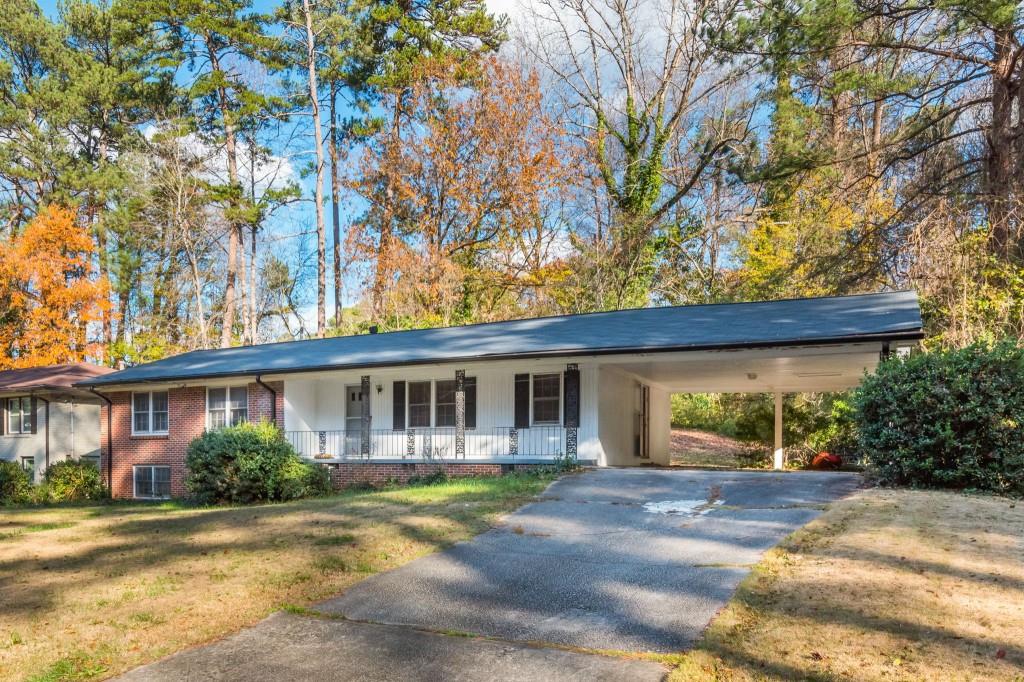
<point>483,398</point>
<point>44,418</point>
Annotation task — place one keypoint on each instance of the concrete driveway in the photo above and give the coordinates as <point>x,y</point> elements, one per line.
<point>619,559</point>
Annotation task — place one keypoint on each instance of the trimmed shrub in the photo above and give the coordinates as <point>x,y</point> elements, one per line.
<point>947,419</point>
<point>15,486</point>
<point>250,463</point>
<point>300,479</point>
<point>71,480</point>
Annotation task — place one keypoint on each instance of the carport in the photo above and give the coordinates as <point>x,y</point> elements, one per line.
<point>801,364</point>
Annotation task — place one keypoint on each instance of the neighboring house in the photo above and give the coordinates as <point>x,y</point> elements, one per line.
<point>483,398</point>
<point>45,418</point>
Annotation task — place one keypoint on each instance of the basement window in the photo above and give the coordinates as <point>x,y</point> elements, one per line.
<point>152,482</point>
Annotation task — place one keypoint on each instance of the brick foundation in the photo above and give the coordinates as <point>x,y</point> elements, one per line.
<point>378,473</point>
<point>186,417</point>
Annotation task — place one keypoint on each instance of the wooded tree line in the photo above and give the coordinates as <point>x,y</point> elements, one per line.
<point>197,173</point>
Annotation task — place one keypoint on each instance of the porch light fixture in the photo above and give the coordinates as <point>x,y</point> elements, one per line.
<point>380,388</point>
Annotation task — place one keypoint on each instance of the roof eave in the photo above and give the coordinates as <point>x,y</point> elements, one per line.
<point>904,335</point>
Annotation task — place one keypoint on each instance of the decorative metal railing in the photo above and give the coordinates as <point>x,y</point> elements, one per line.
<point>538,442</point>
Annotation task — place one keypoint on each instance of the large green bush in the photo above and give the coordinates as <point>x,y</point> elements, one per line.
<point>15,486</point>
<point>250,463</point>
<point>714,412</point>
<point>71,480</point>
<point>812,422</point>
<point>951,419</point>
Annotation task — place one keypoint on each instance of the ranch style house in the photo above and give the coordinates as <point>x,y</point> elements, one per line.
<point>487,398</point>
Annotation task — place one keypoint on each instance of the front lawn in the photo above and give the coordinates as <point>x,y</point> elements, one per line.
<point>93,590</point>
<point>887,584</point>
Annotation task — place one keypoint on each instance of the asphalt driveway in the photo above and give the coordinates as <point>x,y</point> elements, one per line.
<point>615,559</point>
<point>622,559</point>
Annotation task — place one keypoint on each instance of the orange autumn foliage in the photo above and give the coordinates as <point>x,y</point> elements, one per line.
<point>49,293</point>
<point>463,186</point>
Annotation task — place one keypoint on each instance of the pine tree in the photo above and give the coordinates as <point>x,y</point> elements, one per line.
<point>207,40</point>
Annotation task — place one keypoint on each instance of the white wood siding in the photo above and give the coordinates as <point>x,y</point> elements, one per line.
<point>317,403</point>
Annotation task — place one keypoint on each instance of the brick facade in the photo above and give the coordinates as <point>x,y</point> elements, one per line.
<point>379,473</point>
<point>186,417</point>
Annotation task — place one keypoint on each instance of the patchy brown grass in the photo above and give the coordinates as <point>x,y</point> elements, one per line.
<point>91,591</point>
<point>886,585</point>
<point>691,447</point>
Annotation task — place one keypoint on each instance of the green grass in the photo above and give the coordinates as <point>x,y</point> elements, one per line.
<point>132,582</point>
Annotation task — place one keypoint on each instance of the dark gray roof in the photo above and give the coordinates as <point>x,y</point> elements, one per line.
<point>885,316</point>
<point>50,376</point>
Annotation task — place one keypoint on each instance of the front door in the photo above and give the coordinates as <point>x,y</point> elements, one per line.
<point>353,419</point>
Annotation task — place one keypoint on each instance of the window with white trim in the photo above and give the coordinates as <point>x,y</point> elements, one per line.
<point>227,406</point>
<point>19,415</point>
<point>151,482</point>
<point>547,398</point>
<point>419,404</point>
<point>149,413</point>
<point>426,399</point>
<point>29,465</point>
<point>444,403</point>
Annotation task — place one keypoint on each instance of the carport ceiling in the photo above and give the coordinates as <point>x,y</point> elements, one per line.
<point>787,370</point>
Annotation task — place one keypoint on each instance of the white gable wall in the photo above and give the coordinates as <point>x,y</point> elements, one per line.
<point>74,432</point>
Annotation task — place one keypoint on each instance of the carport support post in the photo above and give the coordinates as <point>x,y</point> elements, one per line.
<point>779,454</point>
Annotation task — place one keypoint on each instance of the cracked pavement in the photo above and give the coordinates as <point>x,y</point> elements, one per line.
<point>588,566</point>
<point>630,560</point>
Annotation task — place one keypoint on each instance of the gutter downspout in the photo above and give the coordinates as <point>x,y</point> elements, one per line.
<point>273,398</point>
<point>110,439</point>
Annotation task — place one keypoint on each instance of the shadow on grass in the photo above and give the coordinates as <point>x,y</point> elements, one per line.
<point>155,536</point>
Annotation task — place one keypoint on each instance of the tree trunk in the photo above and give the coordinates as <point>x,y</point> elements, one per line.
<point>253,322</point>
<point>1001,175</point>
<point>321,230</point>
<point>198,288</point>
<point>234,226</point>
<point>335,201</point>
<point>383,269</point>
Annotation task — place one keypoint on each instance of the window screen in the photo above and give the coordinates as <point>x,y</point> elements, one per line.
<point>445,403</point>
<point>546,398</point>
<point>19,415</point>
<point>419,404</point>
<point>149,412</point>
<point>152,481</point>
<point>228,406</point>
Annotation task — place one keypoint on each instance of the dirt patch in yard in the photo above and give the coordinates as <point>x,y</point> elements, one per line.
<point>888,584</point>
<point>690,447</point>
<point>90,591</point>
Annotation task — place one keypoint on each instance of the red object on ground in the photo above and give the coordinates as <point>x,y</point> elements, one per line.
<point>824,460</point>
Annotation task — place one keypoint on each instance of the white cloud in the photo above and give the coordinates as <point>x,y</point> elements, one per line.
<point>269,171</point>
